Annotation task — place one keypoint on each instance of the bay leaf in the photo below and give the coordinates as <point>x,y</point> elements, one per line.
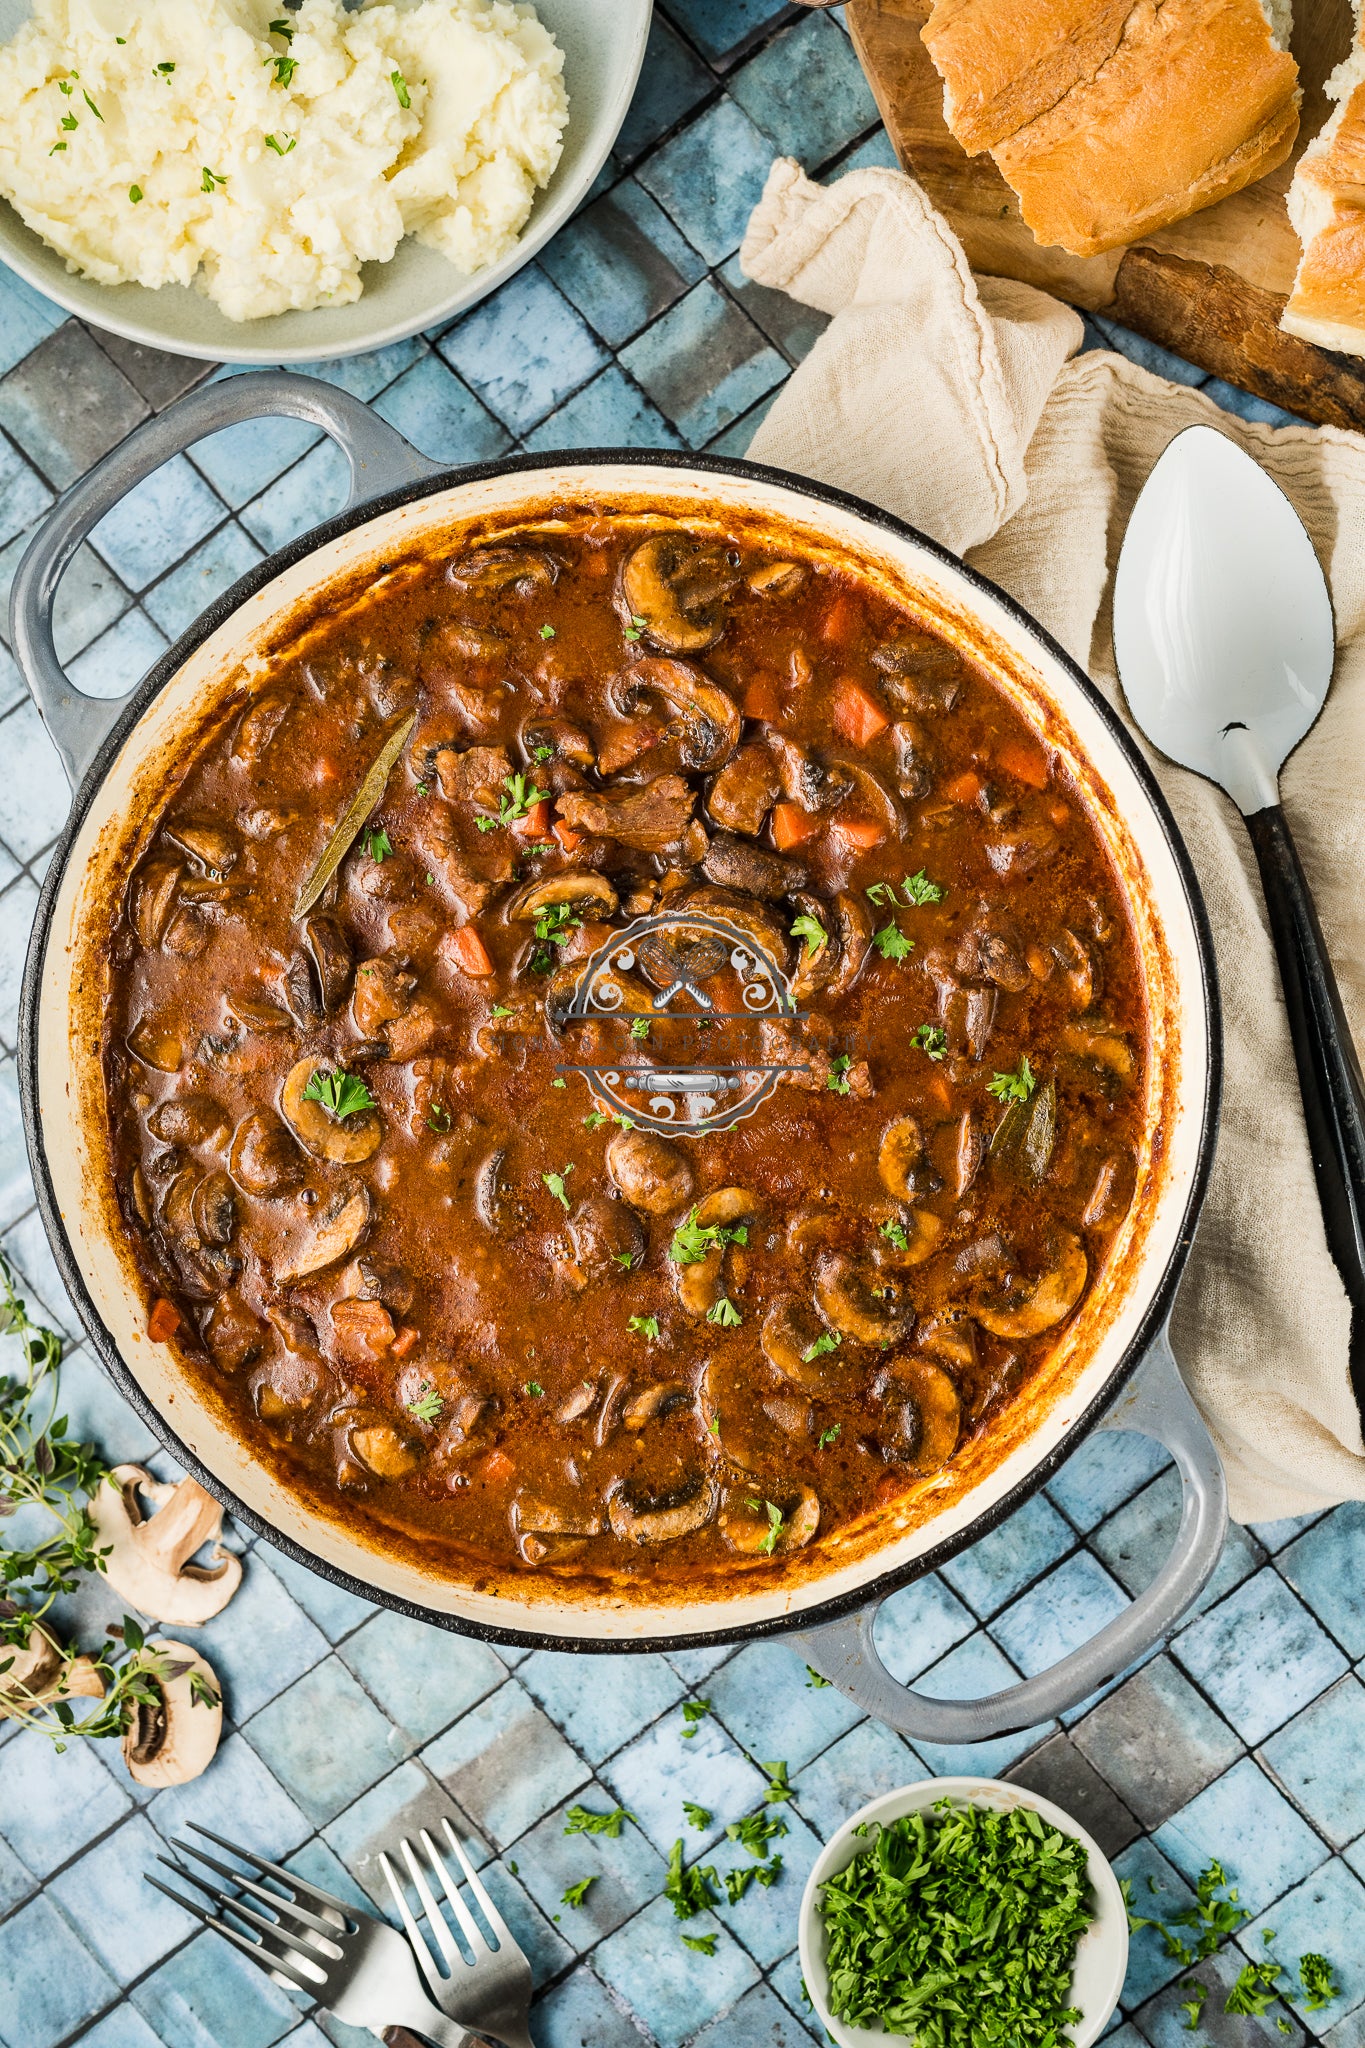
<point>353,817</point>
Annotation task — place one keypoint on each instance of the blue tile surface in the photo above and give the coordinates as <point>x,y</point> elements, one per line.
<point>351,1726</point>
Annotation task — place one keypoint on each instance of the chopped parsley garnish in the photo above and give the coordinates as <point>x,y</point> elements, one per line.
<point>426,1404</point>
<point>503,1010</point>
<point>814,1681</point>
<point>811,930</point>
<point>283,149</point>
<point>534,1389</point>
<point>704,1944</point>
<point>895,1233</point>
<point>1255,1990</point>
<point>755,1832</point>
<point>547,632</point>
<point>211,180</point>
<point>725,1314</point>
<point>583,1821</point>
<point>165,69</point>
<point>642,1326</point>
<point>626,1259</point>
<point>827,1341</point>
<point>283,27</point>
<point>693,1241</point>
<point>691,1891</point>
<point>916,891</point>
<point>69,122</point>
<point>400,86</point>
<point>958,1926</point>
<point>340,1093</point>
<point>776,1523</point>
<point>692,1712</point>
<point>520,798</point>
<point>61,145</point>
<point>769,1872</point>
<point>438,1118</point>
<point>135,194</point>
<point>1193,2006</point>
<point>554,926</point>
<point>640,1027</point>
<point>91,104</point>
<point>1315,1975</point>
<point>543,753</point>
<point>699,1817</point>
<point>931,1039</point>
<point>555,1183</point>
<point>828,1436</point>
<point>378,843</point>
<point>575,1894</point>
<point>737,1882</point>
<point>1015,1087</point>
<point>285,67</point>
<point>837,1079</point>
<point>891,942</point>
<point>778,1788</point>
<point>635,628</point>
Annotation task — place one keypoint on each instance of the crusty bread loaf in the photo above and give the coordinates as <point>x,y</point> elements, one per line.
<point>1110,120</point>
<point>1327,207</point>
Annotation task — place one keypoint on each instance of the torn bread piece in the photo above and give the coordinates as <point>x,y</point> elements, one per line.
<point>1112,121</point>
<point>1327,207</point>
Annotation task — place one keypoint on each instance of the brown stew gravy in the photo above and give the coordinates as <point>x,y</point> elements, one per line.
<point>440,1285</point>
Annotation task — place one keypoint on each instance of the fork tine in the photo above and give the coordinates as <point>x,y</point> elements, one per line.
<point>435,1917</point>
<point>282,1905</point>
<point>265,1868</point>
<point>490,1912</point>
<point>469,1926</point>
<point>260,1955</point>
<point>435,1982</point>
<point>268,1928</point>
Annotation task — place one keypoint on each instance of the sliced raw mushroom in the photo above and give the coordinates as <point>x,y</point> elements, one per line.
<point>748,1527</point>
<point>705,723</point>
<point>153,897</point>
<point>35,1673</point>
<point>927,1415</point>
<point>519,571</point>
<point>582,891</point>
<point>654,1403</point>
<point>663,1520</point>
<point>173,1737</point>
<point>844,1297</point>
<point>900,1153</point>
<point>332,960</point>
<point>333,1235</point>
<point>188,1120</point>
<point>797,1343</point>
<point>676,584</point>
<point>1053,1295</point>
<point>345,1141</point>
<point>650,1172</point>
<point>148,1559</point>
<point>1026,1136</point>
<point>263,1158</point>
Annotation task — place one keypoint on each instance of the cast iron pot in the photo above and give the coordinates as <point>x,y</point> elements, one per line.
<point>115,751</point>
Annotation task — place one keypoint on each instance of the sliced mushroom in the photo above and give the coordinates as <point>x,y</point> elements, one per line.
<point>521,570</point>
<point>554,1518</point>
<point>257,727</point>
<point>346,1141</point>
<point>845,1299</point>
<point>664,1520</point>
<point>232,1332</point>
<point>870,798</point>
<point>700,1284</point>
<point>383,1451</point>
<point>252,1010</point>
<point>994,952</point>
<point>757,923</point>
<point>492,1202</point>
<point>332,960</point>
<point>1108,1052</point>
<point>214,1209</point>
<point>928,1415</point>
<point>951,1336</point>
<point>653,1403</point>
<point>577,1402</point>
<point>173,1737</point>
<point>776,579</point>
<point>790,1412</point>
<point>901,1151</point>
<point>153,897</point>
<point>263,1158</point>
<point>790,1336</point>
<point>214,848</point>
<point>1052,1296</point>
<point>565,741</point>
<point>651,1173</point>
<point>733,863</point>
<point>705,724</point>
<point>921,1231</point>
<point>748,1528</point>
<point>819,956</point>
<point>157,1045</point>
<point>148,1559</point>
<point>606,1237</point>
<point>914,761</point>
<point>188,1120</point>
<point>737,1424</point>
<point>579,888</point>
<point>36,1673</point>
<point>806,781</point>
<point>676,584</point>
<point>334,1235</point>
<point>853,926</point>
<point>956,1150</point>
<point>1111,1193</point>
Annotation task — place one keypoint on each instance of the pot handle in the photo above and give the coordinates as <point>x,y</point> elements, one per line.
<point>377,455</point>
<point>1155,1403</point>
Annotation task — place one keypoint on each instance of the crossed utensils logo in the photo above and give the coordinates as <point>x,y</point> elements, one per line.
<point>678,954</point>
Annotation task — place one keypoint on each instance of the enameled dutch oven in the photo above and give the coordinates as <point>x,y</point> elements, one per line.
<point>118,756</point>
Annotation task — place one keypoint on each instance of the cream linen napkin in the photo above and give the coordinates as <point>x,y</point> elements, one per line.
<point>959,403</point>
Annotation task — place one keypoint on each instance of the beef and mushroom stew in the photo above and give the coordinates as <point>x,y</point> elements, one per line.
<point>376,1165</point>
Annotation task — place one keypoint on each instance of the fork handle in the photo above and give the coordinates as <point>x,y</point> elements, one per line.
<point>427,2023</point>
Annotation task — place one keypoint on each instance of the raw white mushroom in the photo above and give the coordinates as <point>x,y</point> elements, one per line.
<point>148,1558</point>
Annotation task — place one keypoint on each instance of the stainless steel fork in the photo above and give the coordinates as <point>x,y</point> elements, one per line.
<point>356,1965</point>
<point>490,1988</point>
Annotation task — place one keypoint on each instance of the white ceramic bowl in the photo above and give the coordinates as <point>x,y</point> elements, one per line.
<point>1101,1954</point>
<point>604,45</point>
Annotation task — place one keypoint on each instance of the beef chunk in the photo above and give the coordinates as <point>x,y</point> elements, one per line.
<point>653,815</point>
<point>735,864</point>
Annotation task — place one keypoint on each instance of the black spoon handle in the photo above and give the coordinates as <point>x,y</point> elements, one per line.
<point>1329,1069</point>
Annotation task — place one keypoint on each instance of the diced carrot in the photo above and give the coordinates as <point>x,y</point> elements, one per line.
<point>465,950</point>
<point>858,717</point>
<point>941,1092</point>
<point>1025,763</point>
<point>567,837</point>
<point>859,832</point>
<point>497,1468</point>
<point>762,698</point>
<point>163,1322</point>
<point>792,826</point>
<point>965,788</point>
<point>536,822</point>
<point>840,621</point>
<point>404,1341</point>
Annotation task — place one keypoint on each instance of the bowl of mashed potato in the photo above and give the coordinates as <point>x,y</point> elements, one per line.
<point>256,181</point>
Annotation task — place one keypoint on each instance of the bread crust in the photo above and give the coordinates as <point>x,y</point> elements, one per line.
<point>1196,102</point>
<point>1327,206</point>
<point>1004,63</point>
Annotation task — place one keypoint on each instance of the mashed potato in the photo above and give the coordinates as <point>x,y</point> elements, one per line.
<point>181,141</point>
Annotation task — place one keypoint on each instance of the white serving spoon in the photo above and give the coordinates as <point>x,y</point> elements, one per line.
<point>1224,640</point>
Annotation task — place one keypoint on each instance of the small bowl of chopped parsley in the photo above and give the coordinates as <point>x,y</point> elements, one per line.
<point>962,1912</point>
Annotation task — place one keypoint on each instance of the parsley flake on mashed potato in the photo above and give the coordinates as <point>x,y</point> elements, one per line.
<point>181,141</point>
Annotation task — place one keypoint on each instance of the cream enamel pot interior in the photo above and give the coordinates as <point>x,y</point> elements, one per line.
<point>400,502</point>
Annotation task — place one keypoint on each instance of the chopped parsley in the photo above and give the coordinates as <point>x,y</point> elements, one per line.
<point>1015,1087</point>
<point>283,149</point>
<point>755,1832</point>
<point>1193,2006</point>
<point>692,1712</point>
<point>827,1341</point>
<point>1255,1989</point>
<point>340,1093</point>
<point>283,27</point>
<point>285,67</point>
<point>625,1259</point>
<point>520,798</point>
<point>640,1027</point>
<point>543,753</point>
<point>737,1882</point>
<point>554,926</point>
<point>811,930</point>
<point>503,1010</point>
<point>725,1314</point>
<point>400,86</point>
<point>91,104</point>
<point>778,1788</point>
<point>704,1944</point>
<point>438,1118</point>
<point>583,1821</point>
<point>555,1183</point>
<point>931,1039</point>
<point>635,628</point>
<point>69,122</point>
<point>210,180</point>
<point>547,632</point>
<point>691,1891</point>
<point>535,1389</point>
<point>891,942</point>
<point>1315,1975</point>
<point>829,1436</point>
<point>642,1326</point>
<point>135,194</point>
<point>699,1817</point>
<point>776,1523</point>
<point>378,843</point>
<point>426,1404</point>
<point>837,1079</point>
<point>165,69</point>
<point>575,1894</point>
<point>895,1233</point>
<point>916,891</point>
<point>814,1681</point>
<point>693,1241</point>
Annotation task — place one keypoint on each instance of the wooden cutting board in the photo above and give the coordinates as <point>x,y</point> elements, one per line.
<point>1211,288</point>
